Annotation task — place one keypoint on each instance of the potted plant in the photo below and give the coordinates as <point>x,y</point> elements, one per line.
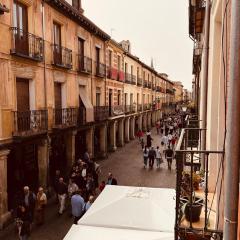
<point>191,211</point>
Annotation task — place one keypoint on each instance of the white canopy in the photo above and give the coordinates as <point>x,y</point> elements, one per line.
<point>128,213</point>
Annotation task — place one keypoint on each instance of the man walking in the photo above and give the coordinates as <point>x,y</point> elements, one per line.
<point>158,157</point>
<point>78,206</point>
<point>62,194</point>
<point>169,157</point>
<point>152,156</point>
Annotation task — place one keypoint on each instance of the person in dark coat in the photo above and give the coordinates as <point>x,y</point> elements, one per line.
<point>149,139</point>
<point>152,156</point>
<point>111,180</point>
<point>29,200</point>
<point>23,222</point>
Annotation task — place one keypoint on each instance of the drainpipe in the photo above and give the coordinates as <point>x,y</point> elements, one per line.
<point>204,83</point>
<point>231,179</point>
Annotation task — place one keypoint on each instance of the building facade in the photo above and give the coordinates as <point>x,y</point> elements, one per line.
<point>65,88</point>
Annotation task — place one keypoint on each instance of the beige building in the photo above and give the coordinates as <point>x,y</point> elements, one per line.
<point>65,87</point>
<point>178,92</point>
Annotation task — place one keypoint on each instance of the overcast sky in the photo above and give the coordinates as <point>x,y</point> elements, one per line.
<point>157,29</point>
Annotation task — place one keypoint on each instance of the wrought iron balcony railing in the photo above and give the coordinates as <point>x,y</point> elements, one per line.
<point>120,76</point>
<point>81,116</point>
<point>30,122</point>
<point>150,85</point>
<point>133,77</point>
<point>84,64</point>
<point>158,89</point>
<point>139,81</point>
<point>112,73</point>
<point>146,107</point>
<point>100,69</point>
<point>62,57</point>
<point>101,113</point>
<point>25,44</point>
<point>129,108</point>
<point>128,78</point>
<point>139,107</point>
<point>65,117</point>
<point>116,110</point>
<point>145,84</point>
<point>193,203</point>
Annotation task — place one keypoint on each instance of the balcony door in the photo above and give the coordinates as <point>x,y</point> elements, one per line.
<point>81,54</point>
<point>23,104</point>
<point>58,103</point>
<point>20,23</point>
<point>57,43</point>
<point>110,101</point>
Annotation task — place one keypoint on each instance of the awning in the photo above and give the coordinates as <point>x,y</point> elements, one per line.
<point>88,105</point>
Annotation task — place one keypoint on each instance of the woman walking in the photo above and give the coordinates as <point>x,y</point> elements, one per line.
<point>145,156</point>
<point>41,202</point>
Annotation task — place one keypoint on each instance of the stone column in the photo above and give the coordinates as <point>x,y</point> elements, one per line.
<point>144,122</point>
<point>70,148</point>
<point>127,129</point>
<point>121,133</point>
<point>89,141</point>
<point>113,136</point>
<point>103,141</point>
<point>5,215</point>
<point>43,160</point>
<point>140,122</point>
<point>132,128</point>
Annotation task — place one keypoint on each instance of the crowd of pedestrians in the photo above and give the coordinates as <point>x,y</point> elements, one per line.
<point>168,131</point>
<point>73,195</point>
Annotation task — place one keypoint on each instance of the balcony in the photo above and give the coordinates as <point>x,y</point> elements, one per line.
<point>65,117</point>
<point>30,123</point>
<point>139,107</point>
<point>139,81</point>
<point>120,76</point>
<point>26,45</point>
<point>134,80</point>
<point>62,57</point>
<point>112,73</point>
<point>116,110</point>
<point>153,87</point>
<point>158,89</point>
<point>129,109</point>
<point>145,84</point>
<point>195,213</point>
<point>84,64</point>
<point>150,85</point>
<point>128,78</point>
<point>101,113</point>
<point>100,69</point>
<point>146,107</point>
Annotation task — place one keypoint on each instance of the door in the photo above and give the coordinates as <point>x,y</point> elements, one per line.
<point>57,43</point>
<point>97,60</point>
<point>20,23</point>
<point>81,54</point>
<point>110,102</point>
<point>58,103</point>
<point>23,107</point>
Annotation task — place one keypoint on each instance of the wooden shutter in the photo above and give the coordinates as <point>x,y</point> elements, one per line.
<point>22,94</point>
<point>58,95</point>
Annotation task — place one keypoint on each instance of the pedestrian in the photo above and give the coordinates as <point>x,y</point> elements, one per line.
<point>77,203</point>
<point>62,195</point>
<point>149,139</point>
<point>111,180</point>
<point>23,222</point>
<point>158,126</point>
<point>158,157</point>
<point>90,186</point>
<point>142,143</point>
<point>162,151</point>
<point>169,157</point>
<point>90,202</point>
<point>145,156</point>
<point>55,182</point>
<point>41,202</point>
<point>152,156</point>
<point>72,187</point>
<point>29,200</point>
<point>102,186</point>
<point>86,156</point>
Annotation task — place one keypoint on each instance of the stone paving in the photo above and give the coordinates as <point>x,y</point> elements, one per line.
<point>126,164</point>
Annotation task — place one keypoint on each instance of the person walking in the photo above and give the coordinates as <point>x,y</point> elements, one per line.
<point>29,200</point>
<point>145,156</point>
<point>78,205</point>
<point>41,202</point>
<point>149,139</point>
<point>158,157</point>
<point>169,157</point>
<point>152,156</point>
<point>90,202</point>
<point>23,222</point>
<point>111,180</point>
<point>62,195</point>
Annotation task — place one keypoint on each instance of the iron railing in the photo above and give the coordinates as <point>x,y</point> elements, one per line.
<point>100,69</point>
<point>65,117</point>
<point>150,85</point>
<point>81,116</point>
<point>116,110</point>
<point>129,108</point>
<point>25,44</point>
<point>120,76</point>
<point>112,73</point>
<point>62,57</point>
<point>101,113</point>
<point>30,122</point>
<point>133,77</point>
<point>145,84</point>
<point>146,107</point>
<point>139,107</point>
<point>128,78</point>
<point>84,64</point>
<point>139,81</point>
<point>191,206</point>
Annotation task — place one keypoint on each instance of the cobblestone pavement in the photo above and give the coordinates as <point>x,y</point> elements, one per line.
<point>126,164</point>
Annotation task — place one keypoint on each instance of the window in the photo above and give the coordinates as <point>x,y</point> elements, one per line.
<point>81,46</point>
<point>126,67</point>
<point>137,72</point>
<point>131,70</point>
<point>57,34</point>
<point>144,75</point>
<point>98,96</point>
<point>110,58</point>
<point>126,98</point>
<point>119,97</point>
<point>97,55</point>
<point>20,20</point>
<point>119,63</point>
<point>131,99</point>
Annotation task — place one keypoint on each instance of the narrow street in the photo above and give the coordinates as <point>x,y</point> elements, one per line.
<point>126,164</point>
